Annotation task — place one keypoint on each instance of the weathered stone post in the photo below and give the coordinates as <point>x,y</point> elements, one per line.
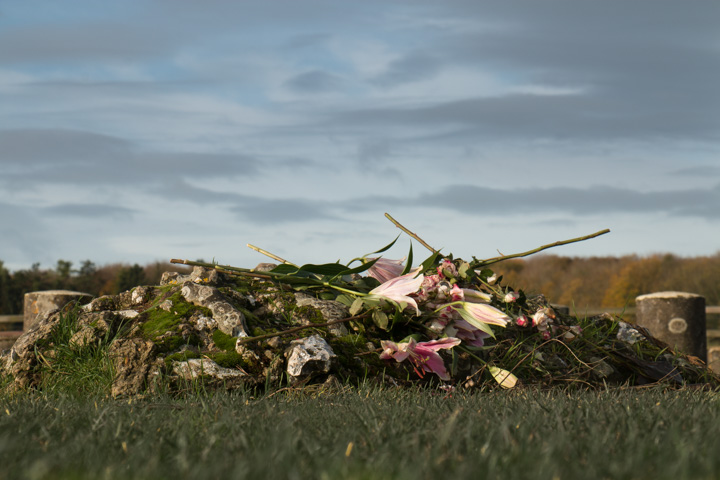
<point>37,304</point>
<point>676,318</point>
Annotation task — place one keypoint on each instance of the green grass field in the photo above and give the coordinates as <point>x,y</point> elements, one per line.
<point>366,433</point>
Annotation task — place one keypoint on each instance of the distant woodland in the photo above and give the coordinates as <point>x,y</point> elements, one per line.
<point>612,281</point>
<point>578,282</point>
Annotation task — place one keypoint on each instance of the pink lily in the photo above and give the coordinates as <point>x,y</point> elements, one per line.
<point>397,289</point>
<point>479,315</point>
<point>385,269</point>
<point>476,296</point>
<point>422,355</point>
<point>466,332</point>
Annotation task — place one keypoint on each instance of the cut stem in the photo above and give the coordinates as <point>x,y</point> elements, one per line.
<point>271,255</point>
<point>490,261</point>
<point>413,235</point>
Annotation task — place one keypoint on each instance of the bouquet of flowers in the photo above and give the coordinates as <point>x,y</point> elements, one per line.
<point>442,304</point>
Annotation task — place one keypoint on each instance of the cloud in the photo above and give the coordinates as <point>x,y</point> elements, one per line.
<point>699,171</point>
<point>57,156</point>
<point>599,200</point>
<point>315,81</point>
<point>260,210</point>
<point>412,67</point>
<point>87,210</point>
<point>572,116</point>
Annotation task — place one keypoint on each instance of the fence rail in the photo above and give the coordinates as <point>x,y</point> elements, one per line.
<point>714,309</point>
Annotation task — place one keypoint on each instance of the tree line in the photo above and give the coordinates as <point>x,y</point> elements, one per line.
<point>580,282</point>
<point>612,282</point>
<point>87,278</point>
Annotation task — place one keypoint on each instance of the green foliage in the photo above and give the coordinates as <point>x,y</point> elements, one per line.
<point>71,368</point>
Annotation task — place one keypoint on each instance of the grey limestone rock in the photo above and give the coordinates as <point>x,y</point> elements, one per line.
<point>204,367</point>
<point>307,356</point>
<point>330,310</point>
<point>229,319</point>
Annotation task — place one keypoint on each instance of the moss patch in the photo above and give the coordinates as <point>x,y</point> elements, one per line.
<point>224,341</point>
<point>160,321</point>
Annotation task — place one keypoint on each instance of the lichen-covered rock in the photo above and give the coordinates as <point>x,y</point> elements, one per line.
<point>308,356</point>
<point>229,319</point>
<point>329,309</point>
<point>133,359</point>
<point>200,275</point>
<point>21,360</point>
<point>203,367</point>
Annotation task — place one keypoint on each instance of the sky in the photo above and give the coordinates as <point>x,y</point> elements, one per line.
<point>144,130</point>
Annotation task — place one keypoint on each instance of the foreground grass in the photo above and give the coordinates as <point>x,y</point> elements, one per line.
<point>364,434</point>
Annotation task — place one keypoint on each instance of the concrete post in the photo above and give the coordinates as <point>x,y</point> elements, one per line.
<point>676,318</point>
<point>38,304</point>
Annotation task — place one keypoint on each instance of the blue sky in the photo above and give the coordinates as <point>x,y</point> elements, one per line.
<point>146,130</point>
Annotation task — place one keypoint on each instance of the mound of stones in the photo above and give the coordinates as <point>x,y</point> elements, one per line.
<point>191,328</point>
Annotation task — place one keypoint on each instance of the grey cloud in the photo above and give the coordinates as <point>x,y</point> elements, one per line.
<point>105,41</point>
<point>259,210</point>
<point>307,40</point>
<point>78,157</point>
<point>413,67</point>
<point>652,66</point>
<point>291,210</point>
<point>86,210</point>
<point>47,146</point>
<point>571,116</point>
<point>315,81</point>
<point>599,200</point>
<point>699,171</point>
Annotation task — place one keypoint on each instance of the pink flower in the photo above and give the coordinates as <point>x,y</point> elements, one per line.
<point>476,296</point>
<point>480,315</point>
<point>467,333</point>
<point>422,355</point>
<point>397,289</point>
<point>447,269</point>
<point>457,294</point>
<point>510,297</point>
<point>541,320</point>
<point>522,321</point>
<point>429,286</point>
<point>385,269</point>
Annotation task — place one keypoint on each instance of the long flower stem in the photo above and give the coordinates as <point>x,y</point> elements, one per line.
<point>271,255</point>
<point>413,235</point>
<point>243,340</point>
<point>265,275</point>
<point>490,261</point>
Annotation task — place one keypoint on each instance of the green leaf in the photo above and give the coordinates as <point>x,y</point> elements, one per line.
<point>356,306</point>
<point>284,269</point>
<point>462,271</point>
<point>467,316</point>
<point>431,261</point>
<point>386,247</point>
<point>408,265</point>
<point>380,319</point>
<point>345,299</point>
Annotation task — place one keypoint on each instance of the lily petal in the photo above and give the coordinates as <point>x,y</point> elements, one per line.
<point>398,289</point>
